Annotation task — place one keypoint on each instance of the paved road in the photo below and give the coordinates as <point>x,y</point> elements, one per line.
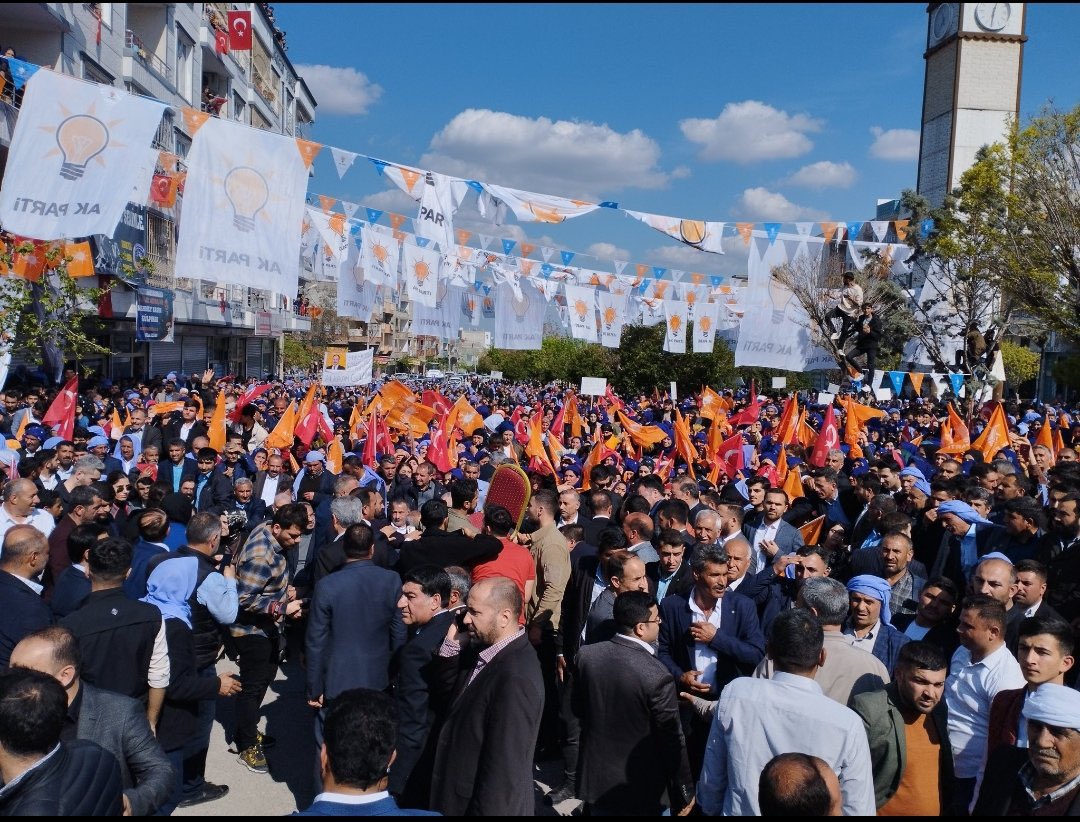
<point>289,784</point>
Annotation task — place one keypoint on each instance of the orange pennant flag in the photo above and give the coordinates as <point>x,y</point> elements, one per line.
<point>462,236</point>
<point>116,427</point>
<point>1059,443</point>
<point>901,229</point>
<point>811,532</point>
<point>216,432</point>
<point>596,456</point>
<point>643,435</point>
<point>781,464</point>
<point>335,456</point>
<point>828,230</point>
<point>337,223</point>
<point>684,444</point>
<point>193,120</point>
<point>959,440</point>
<point>326,203</point>
<point>995,436</point>
<point>397,221</point>
<point>787,427</point>
<point>916,381</point>
<point>159,408</point>
<point>806,435</point>
<point>309,150</point>
<point>409,176</point>
<point>355,421</point>
<point>711,404</point>
<point>527,249</point>
<point>396,393</point>
<point>81,262</point>
<point>282,435</point>
<point>793,484</point>
<point>746,231</point>
<point>642,270</point>
<point>534,449</point>
<point>462,415</point>
<point>1045,438</point>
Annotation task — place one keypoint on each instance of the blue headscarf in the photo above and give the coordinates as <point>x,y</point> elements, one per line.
<point>875,587</point>
<point>962,510</point>
<point>170,587</point>
<point>923,486</point>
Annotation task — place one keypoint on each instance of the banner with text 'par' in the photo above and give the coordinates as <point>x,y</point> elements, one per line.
<point>581,307</point>
<point>70,171</point>
<point>243,208</point>
<point>612,315</point>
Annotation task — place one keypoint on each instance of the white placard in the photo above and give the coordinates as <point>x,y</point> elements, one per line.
<point>496,375</point>
<point>673,396</point>
<point>779,382</point>
<point>883,394</point>
<point>834,388</point>
<point>595,386</point>
<point>357,370</point>
<point>825,398</point>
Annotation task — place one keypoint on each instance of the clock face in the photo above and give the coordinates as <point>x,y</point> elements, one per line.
<point>992,16</point>
<point>942,22</point>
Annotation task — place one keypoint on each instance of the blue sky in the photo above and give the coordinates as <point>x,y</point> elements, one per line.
<point>659,107</point>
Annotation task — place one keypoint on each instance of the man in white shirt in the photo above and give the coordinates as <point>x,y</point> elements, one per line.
<point>19,508</point>
<point>757,719</point>
<point>980,669</point>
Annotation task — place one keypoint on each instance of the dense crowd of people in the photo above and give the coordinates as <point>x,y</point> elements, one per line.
<point>727,604</point>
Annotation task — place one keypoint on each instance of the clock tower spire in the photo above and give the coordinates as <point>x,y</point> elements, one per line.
<point>974,60</point>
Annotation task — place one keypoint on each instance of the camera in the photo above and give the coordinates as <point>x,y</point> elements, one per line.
<point>237,521</point>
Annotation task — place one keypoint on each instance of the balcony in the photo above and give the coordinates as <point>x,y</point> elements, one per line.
<point>143,67</point>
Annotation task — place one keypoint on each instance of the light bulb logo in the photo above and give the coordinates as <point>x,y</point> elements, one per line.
<point>247,192</point>
<point>675,323</point>
<point>422,271</point>
<point>520,306</point>
<point>580,308</point>
<point>81,138</point>
<point>705,323</point>
<point>780,295</point>
<point>609,317</point>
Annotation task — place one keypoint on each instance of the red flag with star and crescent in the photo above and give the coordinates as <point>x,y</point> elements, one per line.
<point>61,414</point>
<point>828,438</point>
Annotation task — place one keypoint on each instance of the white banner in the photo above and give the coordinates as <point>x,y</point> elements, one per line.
<point>379,254</point>
<point>435,219</point>
<point>518,324</point>
<point>421,273</point>
<point>593,386</point>
<point>356,297</point>
<point>705,322</point>
<point>530,207</point>
<point>243,208</point>
<point>445,318</point>
<point>581,305</point>
<point>698,233</point>
<point>612,315</point>
<point>71,169</point>
<point>675,318</point>
<point>356,370</point>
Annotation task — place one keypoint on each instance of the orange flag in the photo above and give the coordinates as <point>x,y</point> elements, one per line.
<point>412,417</point>
<point>462,415</point>
<point>959,440</point>
<point>1046,437</point>
<point>116,427</point>
<point>857,417</point>
<point>354,421</point>
<point>995,436</point>
<point>335,456</point>
<point>82,259</point>
<point>711,404</point>
<point>535,450</point>
<point>811,532</point>
<point>684,445</point>
<point>793,484</point>
<point>806,435</point>
<point>1059,442</point>
<point>307,402</point>
<point>916,378</point>
<point>781,464</point>
<point>788,425</point>
<point>596,456</point>
<point>165,407</point>
<point>282,435</point>
<point>715,441</point>
<point>643,435</point>
<point>395,393</point>
<point>216,433</point>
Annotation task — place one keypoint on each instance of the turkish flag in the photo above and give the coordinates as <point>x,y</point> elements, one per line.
<point>61,414</point>
<point>163,190</point>
<point>730,454</point>
<point>828,438</point>
<point>312,422</point>
<point>240,30</point>
<point>249,396</point>
<point>221,42</point>
<point>438,452</point>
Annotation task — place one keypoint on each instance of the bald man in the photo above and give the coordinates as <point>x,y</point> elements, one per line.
<point>997,578</point>
<point>798,784</point>
<point>25,555</point>
<point>20,508</point>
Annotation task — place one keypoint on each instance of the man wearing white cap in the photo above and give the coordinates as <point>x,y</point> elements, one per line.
<point>1047,781</point>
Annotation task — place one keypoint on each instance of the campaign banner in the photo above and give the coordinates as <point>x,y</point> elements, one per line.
<point>612,315</point>
<point>154,315</point>
<point>347,369</point>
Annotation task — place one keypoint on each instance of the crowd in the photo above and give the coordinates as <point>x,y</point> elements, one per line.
<point>727,604</point>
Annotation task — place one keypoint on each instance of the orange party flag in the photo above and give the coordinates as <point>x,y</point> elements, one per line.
<point>159,408</point>
<point>995,436</point>
<point>216,433</point>
<point>335,456</point>
<point>282,435</point>
<point>793,484</point>
<point>1059,443</point>
<point>711,404</point>
<point>901,229</point>
<point>308,150</point>
<point>643,435</point>
<point>746,231</point>
<point>116,427</point>
<point>959,440</point>
<point>193,120</point>
<point>811,532</point>
<point>916,381</point>
<point>81,263</point>
<point>684,444</point>
<point>1045,438</point>
<point>828,230</point>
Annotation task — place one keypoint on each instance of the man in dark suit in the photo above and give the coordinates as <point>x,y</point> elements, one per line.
<point>24,556</point>
<point>841,506</point>
<point>275,477</point>
<point>115,722</point>
<point>355,625</point>
<point>768,534</point>
<point>438,547</point>
<point>424,593</point>
<point>178,466</point>
<point>600,505</point>
<point>632,745</point>
<point>153,527</point>
<point>484,756</point>
<point>149,435</point>
<point>671,576</point>
<point>73,587</point>
<point>314,483</point>
<point>963,523</point>
<point>213,491</point>
<point>188,427</point>
<point>357,758</point>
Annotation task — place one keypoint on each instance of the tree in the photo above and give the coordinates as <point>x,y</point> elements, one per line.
<point>1021,363</point>
<point>298,354</point>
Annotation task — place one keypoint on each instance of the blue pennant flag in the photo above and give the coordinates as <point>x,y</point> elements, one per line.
<point>373,215</point>
<point>478,287</point>
<point>608,204</point>
<point>642,287</point>
<point>546,269</point>
<point>853,230</point>
<point>354,228</point>
<point>716,281</point>
<point>957,382</point>
<point>422,241</point>
<point>772,229</point>
<point>567,256</point>
<point>379,165</point>
<point>508,246</point>
<point>856,386</point>
<point>475,186</point>
<point>21,71</point>
<point>925,227</point>
<point>897,379</point>
<point>658,272</point>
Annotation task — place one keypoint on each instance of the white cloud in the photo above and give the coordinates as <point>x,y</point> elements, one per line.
<point>340,89</point>
<point>608,251</point>
<point>900,144</point>
<point>574,159</point>
<point>824,174</point>
<point>392,199</point>
<point>760,204</point>
<point>685,258</point>
<point>751,131</point>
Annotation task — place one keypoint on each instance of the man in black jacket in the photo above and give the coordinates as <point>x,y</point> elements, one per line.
<point>424,593</point>
<point>115,722</point>
<point>188,427</point>
<point>213,491</point>
<point>436,546</point>
<point>25,555</point>
<point>43,776</point>
<point>867,341</point>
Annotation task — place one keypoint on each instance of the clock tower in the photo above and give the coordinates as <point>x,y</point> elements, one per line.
<point>974,57</point>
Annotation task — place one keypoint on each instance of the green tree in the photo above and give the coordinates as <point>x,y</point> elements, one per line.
<point>299,354</point>
<point>1021,363</point>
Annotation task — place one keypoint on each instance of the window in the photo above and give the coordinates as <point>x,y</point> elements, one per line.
<point>185,65</point>
<point>183,144</point>
<point>258,120</point>
<point>95,73</point>
<point>239,110</point>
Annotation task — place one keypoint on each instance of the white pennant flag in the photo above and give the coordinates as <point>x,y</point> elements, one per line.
<point>705,322</point>
<point>581,308</point>
<point>421,273</point>
<point>379,254</point>
<point>879,227</point>
<point>696,233</point>
<point>435,219</point>
<point>612,315</point>
<point>675,333</point>
<point>530,207</point>
<point>243,207</point>
<point>457,271</point>
<point>619,266</point>
<point>803,229</point>
<point>343,160</point>
<point>69,168</point>
<point>485,241</point>
<point>349,208</point>
<point>546,252</point>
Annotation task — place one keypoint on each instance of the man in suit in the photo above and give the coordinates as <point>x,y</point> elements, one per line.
<point>355,625</point>
<point>115,722</point>
<point>425,592</point>
<point>674,514</point>
<point>267,483</point>
<point>188,427</point>
<point>671,575</point>
<point>632,745</point>
<point>24,556</point>
<point>178,466</point>
<point>769,535</point>
<point>357,757</point>
<point>438,547</point>
<point>840,506</point>
<point>149,435</point>
<point>907,728</point>
<point>244,499</point>
<point>484,756</point>
<point>600,505</point>
<point>624,572</point>
<point>213,491</point>
<point>153,528</point>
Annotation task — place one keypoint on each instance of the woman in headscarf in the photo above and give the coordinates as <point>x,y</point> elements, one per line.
<point>170,588</point>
